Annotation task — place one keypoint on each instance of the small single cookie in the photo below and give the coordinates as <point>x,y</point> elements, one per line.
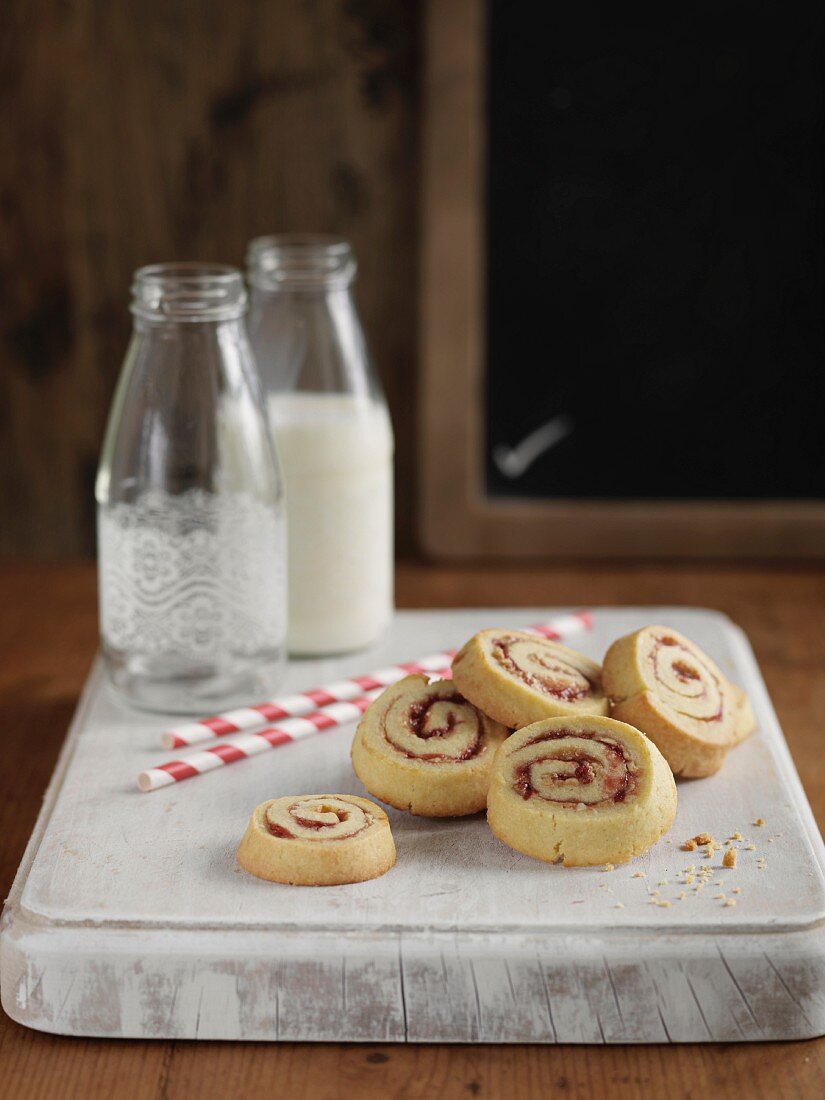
<point>580,791</point>
<point>422,747</point>
<point>664,685</point>
<point>518,678</point>
<point>317,840</point>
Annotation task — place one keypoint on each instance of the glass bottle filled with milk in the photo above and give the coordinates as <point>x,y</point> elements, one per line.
<point>333,433</point>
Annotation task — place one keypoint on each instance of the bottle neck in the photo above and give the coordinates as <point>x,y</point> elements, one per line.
<point>187,295</point>
<point>303,325</point>
<point>300,265</point>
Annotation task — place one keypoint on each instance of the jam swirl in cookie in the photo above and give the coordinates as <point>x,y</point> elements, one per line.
<point>573,767</point>
<point>332,818</point>
<point>423,747</point>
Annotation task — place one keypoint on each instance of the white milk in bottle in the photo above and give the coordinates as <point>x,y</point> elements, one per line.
<point>336,454</point>
<point>334,440</point>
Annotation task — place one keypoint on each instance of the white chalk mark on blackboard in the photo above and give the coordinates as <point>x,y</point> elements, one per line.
<point>514,461</point>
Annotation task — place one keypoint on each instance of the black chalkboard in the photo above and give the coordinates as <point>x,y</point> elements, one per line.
<point>655,251</point>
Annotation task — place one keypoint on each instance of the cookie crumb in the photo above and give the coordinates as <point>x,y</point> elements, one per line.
<point>608,867</point>
<point>729,859</point>
<point>681,895</point>
<point>663,882</point>
<point>638,874</point>
<point>689,846</point>
<point>730,903</point>
<point>704,838</point>
<point>619,905</point>
<point>736,890</point>
<point>750,847</point>
<point>759,821</point>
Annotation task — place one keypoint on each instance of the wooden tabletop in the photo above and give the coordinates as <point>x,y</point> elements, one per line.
<point>48,634</point>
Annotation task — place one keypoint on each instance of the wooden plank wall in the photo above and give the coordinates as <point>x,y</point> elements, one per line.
<point>156,129</point>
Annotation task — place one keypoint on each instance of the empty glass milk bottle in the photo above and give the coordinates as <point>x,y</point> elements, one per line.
<point>191,526</point>
<point>334,436</point>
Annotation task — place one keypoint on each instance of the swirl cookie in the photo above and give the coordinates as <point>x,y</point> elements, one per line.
<point>422,747</point>
<point>663,684</point>
<point>317,840</point>
<point>518,678</point>
<point>580,791</point>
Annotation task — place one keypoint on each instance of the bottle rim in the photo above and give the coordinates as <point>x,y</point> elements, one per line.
<point>188,291</point>
<point>295,261</point>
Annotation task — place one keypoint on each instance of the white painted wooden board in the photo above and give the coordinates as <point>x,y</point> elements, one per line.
<point>129,916</point>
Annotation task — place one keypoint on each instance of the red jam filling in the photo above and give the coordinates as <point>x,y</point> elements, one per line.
<point>616,787</point>
<point>417,716</point>
<point>419,712</point>
<point>307,823</point>
<point>687,673</point>
<point>549,685</point>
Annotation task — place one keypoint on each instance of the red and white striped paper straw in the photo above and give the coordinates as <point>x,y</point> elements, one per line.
<point>241,745</point>
<point>303,703</point>
<point>295,706</point>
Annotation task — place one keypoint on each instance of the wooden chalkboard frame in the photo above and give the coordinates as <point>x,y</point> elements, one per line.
<point>456,519</point>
